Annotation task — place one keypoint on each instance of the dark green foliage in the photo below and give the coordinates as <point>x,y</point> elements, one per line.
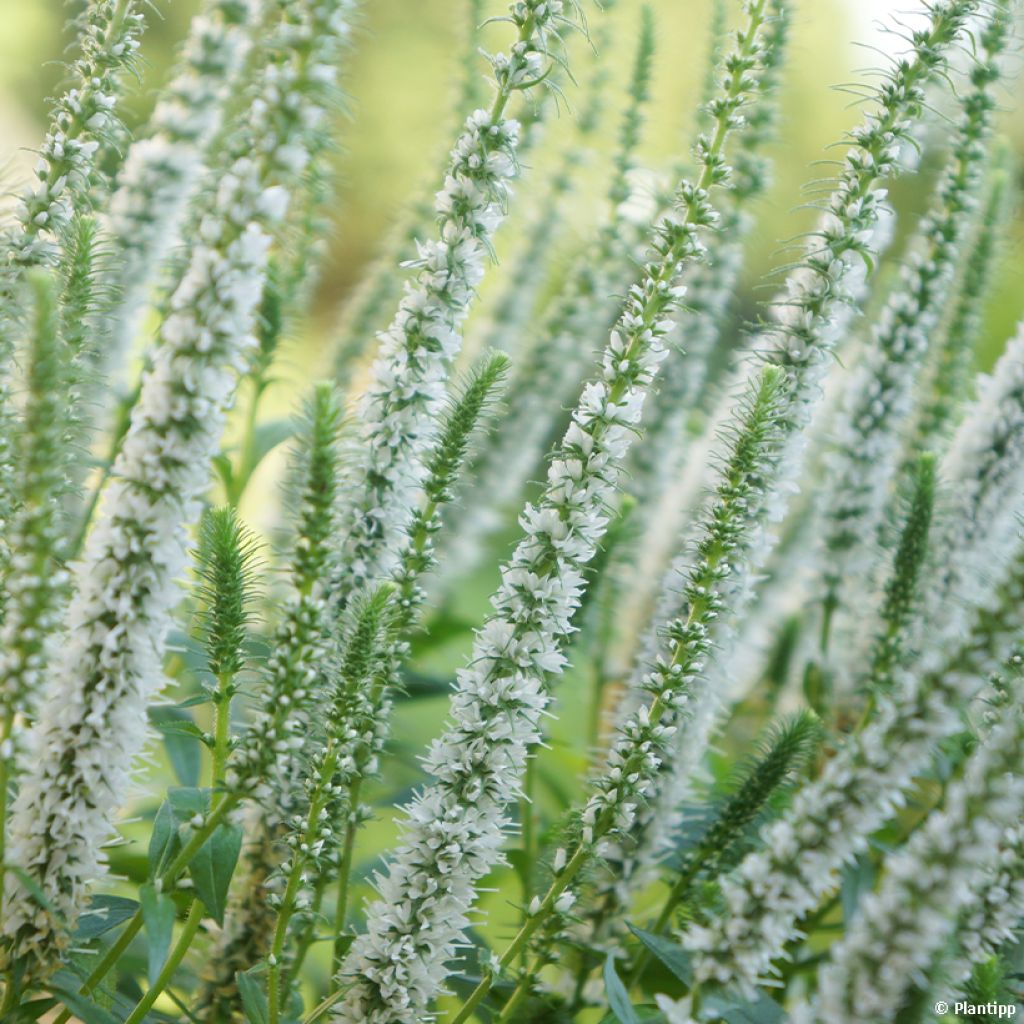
<point>783,754</point>
<point>901,589</point>
<point>226,568</point>
<point>319,437</point>
<point>472,401</point>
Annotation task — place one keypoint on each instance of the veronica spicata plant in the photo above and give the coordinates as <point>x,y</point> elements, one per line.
<point>267,756</point>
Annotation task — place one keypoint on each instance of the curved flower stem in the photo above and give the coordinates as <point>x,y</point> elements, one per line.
<point>216,818</point>
<point>523,936</point>
<point>528,832</point>
<point>345,871</point>
<point>300,860</point>
<point>163,979</point>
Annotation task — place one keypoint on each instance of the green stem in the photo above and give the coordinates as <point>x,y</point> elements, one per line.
<point>697,608</point>
<point>504,92</point>
<point>676,895</point>
<point>525,933</point>
<point>169,876</point>
<point>529,837</point>
<point>295,882</point>
<point>221,728</point>
<point>345,870</point>
<point>597,687</point>
<point>177,954</point>
<point>5,737</point>
<point>121,424</point>
<point>247,452</point>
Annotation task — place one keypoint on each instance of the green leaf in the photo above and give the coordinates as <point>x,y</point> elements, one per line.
<point>196,699</point>
<point>735,1010</point>
<point>180,727</point>
<point>188,801</point>
<point>343,944</point>
<point>80,1006</point>
<point>618,997</point>
<point>254,1002</point>
<point>158,914</point>
<point>212,867</point>
<point>268,436</point>
<point>858,878</point>
<point>182,741</point>
<point>671,954</point>
<point>163,842</point>
<point>224,469</point>
<point>28,1012</point>
<point>102,914</point>
<point>32,887</point>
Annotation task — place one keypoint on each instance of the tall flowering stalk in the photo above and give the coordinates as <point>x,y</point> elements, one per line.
<point>34,581</point>
<point>861,787</point>
<point>161,172</point>
<point>946,382</point>
<point>641,751</point>
<point>83,120</point>
<point>585,307</point>
<point>985,468</point>
<point>265,760</point>
<point>879,394</point>
<point>901,596</point>
<point>514,311</point>
<point>368,714</point>
<point>93,721</point>
<point>798,342</point>
<point>356,711</point>
<point>454,828</point>
<point>711,285</point>
<point>990,917</point>
<point>406,391</point>
<point>710,288</point>
<point>899,928</point>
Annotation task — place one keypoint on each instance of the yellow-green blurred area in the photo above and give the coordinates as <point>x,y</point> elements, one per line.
<point>402,77</point>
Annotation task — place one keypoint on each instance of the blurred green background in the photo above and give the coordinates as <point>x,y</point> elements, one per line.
<point>403,82</point>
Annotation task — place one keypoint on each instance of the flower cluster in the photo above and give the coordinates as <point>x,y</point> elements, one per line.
<point>93,722</point>
<point>162,171</point>
<point>266,759</point>
<point>645,748</point>
<point>947,377</point>
<point>406,391</point>
<point>985,468</point>
<point>900,927</point>
<point>879,394</point>
<point>798,342</point>
<point>861,787</point>
<point>710,285</point>
<point>585,308</point>
<point>295,675</point>
<point>454,828</point>
<point>33,580</point>
<point>83,120</point>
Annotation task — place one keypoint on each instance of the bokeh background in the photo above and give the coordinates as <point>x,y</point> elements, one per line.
<point>402,80</point>
<point>410,54</point>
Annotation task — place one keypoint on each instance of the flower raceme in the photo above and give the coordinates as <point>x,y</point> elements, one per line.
<point>406,391</point>
<point>453,830</point>
<point>94,718</point>
<point>690,869</point>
